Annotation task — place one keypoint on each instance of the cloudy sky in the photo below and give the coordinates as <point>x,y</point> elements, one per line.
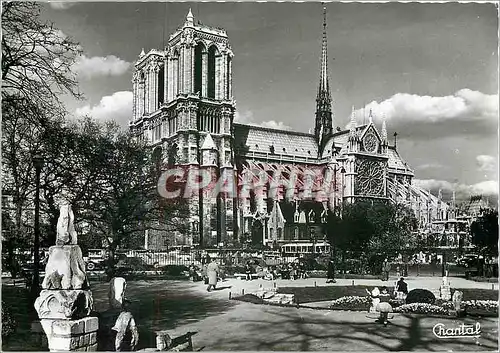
<point>431,68</point>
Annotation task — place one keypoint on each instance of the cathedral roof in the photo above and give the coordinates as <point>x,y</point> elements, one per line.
<point>396,162</point>
<point>262,140</point>
<point>340,139</point>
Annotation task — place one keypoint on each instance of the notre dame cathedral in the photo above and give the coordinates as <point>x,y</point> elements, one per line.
<point>183,107</point>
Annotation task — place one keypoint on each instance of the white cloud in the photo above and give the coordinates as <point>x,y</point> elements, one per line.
<point>430,166</point>
<point>489,187</point>
<point>465,112</point>
<point>433,184</point>
<point>272,124</point>
<point>243,117</point>
<point>486,163</point>
<point>100,66</point>
<point>246,117</point>
<point>61,5</point>
<point>116,107</point>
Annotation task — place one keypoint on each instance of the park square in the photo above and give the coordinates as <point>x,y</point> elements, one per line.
<point>249,176</point>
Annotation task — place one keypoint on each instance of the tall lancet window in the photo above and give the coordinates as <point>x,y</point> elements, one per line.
<point>198,68</point>
<point>228,78</point>
<point>161,85</point>
<point>212,52</point>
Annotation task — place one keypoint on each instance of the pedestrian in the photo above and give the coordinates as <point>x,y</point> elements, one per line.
<point>386,267</point>
<point>248,271</point>
<point>194,273</point>
<point>401,286</point>
<point>212,273</point>
<point>330,274</point>
<point>293,272</point>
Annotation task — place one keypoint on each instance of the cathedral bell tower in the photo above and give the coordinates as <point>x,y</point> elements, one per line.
<point>324,119</point>
<point>182,95</point>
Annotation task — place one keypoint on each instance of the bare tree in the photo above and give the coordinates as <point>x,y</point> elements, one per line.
<point>36,70</point>
<point>37,58</point>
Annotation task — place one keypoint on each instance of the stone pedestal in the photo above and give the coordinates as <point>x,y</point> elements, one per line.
<point>66,301</point>
<point>71,335</point>
<point>444,290</point>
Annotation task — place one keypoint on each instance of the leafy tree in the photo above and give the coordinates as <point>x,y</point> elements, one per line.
<point>125,201</point>
<point>371,230</point>
<point>484,232</point>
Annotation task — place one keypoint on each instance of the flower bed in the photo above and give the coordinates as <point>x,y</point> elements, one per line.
<point>351,303</point>
<point>325,293</point>
<point>481,306</point>
<point>421,308</point>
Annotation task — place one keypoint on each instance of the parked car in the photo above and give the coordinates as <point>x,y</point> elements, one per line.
<point>95,259</point>
<point>468,261</point>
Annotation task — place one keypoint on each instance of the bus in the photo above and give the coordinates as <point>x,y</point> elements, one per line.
<point>293,251</point>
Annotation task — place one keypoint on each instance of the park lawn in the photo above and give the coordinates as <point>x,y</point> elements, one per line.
<point>323,293</point>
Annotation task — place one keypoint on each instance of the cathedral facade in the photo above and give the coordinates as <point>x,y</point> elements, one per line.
<point>285,182</point>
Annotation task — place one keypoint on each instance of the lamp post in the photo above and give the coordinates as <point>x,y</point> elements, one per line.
<point>342,172</point>
<point>38,164</point>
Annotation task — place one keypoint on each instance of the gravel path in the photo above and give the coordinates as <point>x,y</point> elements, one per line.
<point>249,327</point>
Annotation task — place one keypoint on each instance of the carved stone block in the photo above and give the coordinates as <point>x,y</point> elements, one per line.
<point>64,304</point>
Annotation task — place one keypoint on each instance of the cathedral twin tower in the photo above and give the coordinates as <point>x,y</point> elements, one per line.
<point>185,88</point>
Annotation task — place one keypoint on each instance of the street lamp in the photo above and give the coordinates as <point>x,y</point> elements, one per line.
<point>342,182</point>
<point>38,164</point>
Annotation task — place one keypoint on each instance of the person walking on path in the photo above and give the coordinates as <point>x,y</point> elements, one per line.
<point>386,267</point>
<point>212,274</point>
<point>330,274</point>
<point>401,286</point>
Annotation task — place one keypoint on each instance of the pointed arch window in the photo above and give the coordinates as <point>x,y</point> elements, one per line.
<point>212,53</point>
<point>161,85</point>
<point>198,67</point>
<point>228,79</point>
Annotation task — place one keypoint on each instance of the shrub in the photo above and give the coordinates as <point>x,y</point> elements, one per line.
<point>420,296</point>
<point>8,322</point>
<point>174,270</point>
<point>250,298</point>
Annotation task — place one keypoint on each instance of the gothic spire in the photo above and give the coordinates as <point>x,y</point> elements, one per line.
<point>324,123</point>
<point>384,129</point>
<point>352,127</point>
<point>324,86</point>
<point>189,18</point>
